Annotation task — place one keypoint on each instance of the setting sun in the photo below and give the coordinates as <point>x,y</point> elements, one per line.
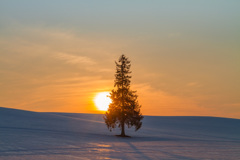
<point>102,101</point>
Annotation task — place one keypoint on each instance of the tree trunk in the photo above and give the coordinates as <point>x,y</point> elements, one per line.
<point>122,123</point>
<point>123,129</point>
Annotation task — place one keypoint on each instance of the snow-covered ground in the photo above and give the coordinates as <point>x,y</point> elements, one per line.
<point>62,136</point>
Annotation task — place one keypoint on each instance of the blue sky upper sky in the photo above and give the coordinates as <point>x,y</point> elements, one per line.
<point>56,55</point>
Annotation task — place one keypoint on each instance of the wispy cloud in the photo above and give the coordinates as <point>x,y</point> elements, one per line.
<point>75,59</point>
<point>193,84</point>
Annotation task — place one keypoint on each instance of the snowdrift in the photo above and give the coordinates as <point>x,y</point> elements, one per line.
<point>55,136</point>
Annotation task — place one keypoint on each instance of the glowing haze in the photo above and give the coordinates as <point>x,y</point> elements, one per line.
<point>57,55</point>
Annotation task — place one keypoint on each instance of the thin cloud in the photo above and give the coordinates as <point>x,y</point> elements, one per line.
<point>75,59</point>
<point>193,84</point>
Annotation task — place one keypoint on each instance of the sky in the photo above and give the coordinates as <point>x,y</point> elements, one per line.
<point>56,56</point>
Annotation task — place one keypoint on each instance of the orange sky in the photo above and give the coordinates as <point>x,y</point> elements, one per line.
<point>56,56</point>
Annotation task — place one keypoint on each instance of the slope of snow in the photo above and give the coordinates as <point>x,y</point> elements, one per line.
<point>62,136</point>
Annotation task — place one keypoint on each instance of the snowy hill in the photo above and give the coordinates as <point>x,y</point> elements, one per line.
<point>60,136</point>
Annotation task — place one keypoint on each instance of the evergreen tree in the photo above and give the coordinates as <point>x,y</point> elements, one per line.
<point>124,108</point>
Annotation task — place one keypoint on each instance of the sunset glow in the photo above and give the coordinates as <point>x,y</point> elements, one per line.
<point>102,101</point>
<point>55,57</point>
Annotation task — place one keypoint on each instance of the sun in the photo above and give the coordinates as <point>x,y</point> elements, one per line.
<point>102,101</point>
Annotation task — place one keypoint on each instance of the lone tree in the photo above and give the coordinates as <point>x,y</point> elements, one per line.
<point>124,108</point>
